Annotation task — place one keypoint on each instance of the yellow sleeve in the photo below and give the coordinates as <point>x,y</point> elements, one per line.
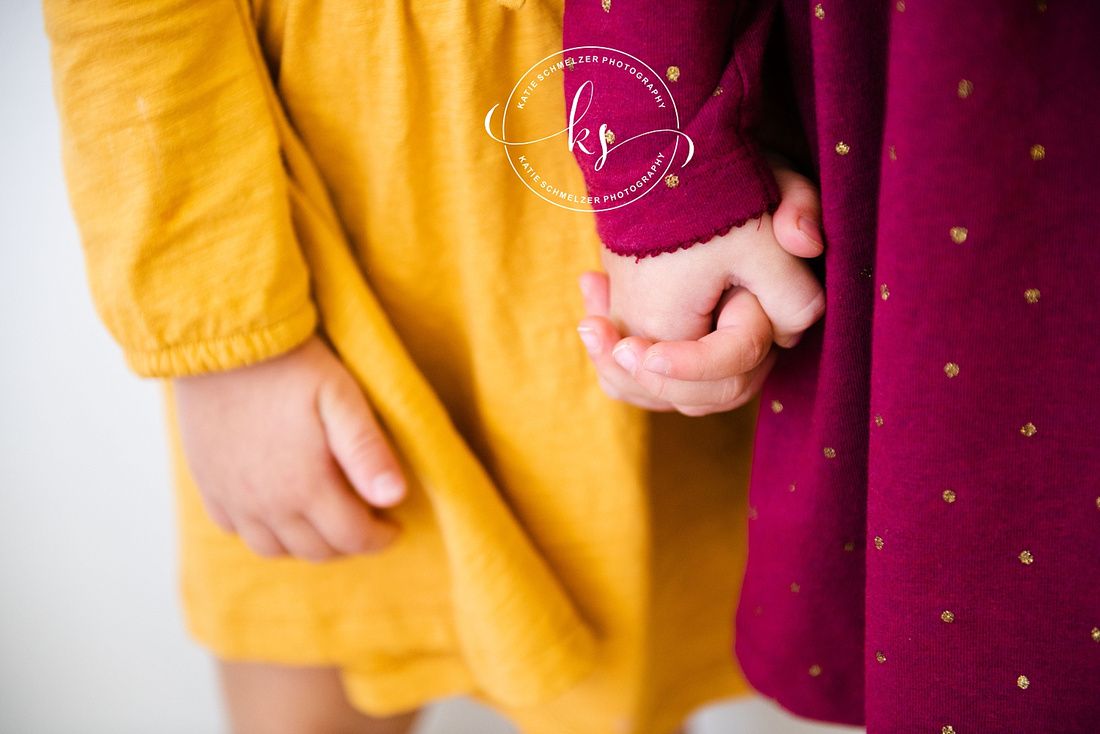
<point>176,181</point>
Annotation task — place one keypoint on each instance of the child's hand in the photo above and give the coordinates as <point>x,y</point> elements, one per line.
<point>715,310</point>
<point>284,453</point>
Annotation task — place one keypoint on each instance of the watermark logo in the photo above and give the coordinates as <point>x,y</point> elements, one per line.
<point>598,75</point>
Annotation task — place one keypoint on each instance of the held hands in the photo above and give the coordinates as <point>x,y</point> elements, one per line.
<point>699,323</point>
<point>287,454</point>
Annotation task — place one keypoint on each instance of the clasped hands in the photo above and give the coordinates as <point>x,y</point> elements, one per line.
<point>693,330</point>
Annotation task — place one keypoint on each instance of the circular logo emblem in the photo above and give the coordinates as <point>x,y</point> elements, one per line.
<point>621,166</point>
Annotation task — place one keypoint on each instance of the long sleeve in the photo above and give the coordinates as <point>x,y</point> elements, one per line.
<point>709,54</point>
<point>176,181</point>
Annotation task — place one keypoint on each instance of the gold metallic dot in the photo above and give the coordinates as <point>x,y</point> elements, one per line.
<point>849,546</point>
<point>893,153</point>
<point>1038,152</point>
<point>672,180</point>
<point>948,496</point>
<point>1096,634</point>
<point>795,588</point>
<point>777,407</point>
<point>1041,5</point>
<point>1026,558</point>
<point>950,369</point>
<point>866,272</point>
<point>1029,429</point>
<point>791,488</point>
<point>830,453</point>
<point>752,513</point>
<point>1098,503</point>
<point>717,92</point>
<point>901,9</point>
<point>842,148</point>
<point>815,670</point>
<point>607,6</point>
<point>878,420</point>
<point>819,12</point>
<point>609,137</point>
<point>569,64</point>
<point>1023,682</point>
<point>966,88</point>
<point>1031,295</point>
<point>884,291</point>
<point>673,73</point>
<point>958,235</point>
<point>879,542</point>
<point>880,656</point>
<point>948,617</point>
<point>948,730</point>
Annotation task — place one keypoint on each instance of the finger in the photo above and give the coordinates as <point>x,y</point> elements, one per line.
<point>797,221</point>
<point>358,444</point>
<point>759,375</point>
<point>789,293</point>
<point>218,515</point>
<point>302,540</point>
<point>596,291</point>
<point>738,345</point>
<point>347,524</point>
<point>602,339</point>
<point>259,538</point>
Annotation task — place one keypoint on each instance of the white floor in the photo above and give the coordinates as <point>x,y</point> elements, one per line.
<point>90,635</point>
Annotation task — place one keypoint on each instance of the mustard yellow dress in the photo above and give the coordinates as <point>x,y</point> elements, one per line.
<point>244,174</point>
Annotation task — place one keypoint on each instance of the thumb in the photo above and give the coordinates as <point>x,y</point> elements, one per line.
<point>797,221</point>
<point>358,444</point>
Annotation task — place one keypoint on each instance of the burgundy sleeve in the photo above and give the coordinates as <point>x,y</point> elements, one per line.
<point>708,54</point>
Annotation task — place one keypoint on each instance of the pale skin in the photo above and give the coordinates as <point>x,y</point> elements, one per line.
<point>287,454</point>
<point>699,323</point>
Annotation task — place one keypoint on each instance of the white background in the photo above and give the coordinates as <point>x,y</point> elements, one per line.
<point>91,638</point>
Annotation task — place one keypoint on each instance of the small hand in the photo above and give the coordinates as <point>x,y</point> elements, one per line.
<point>287,454</point>
<point>739,296</point>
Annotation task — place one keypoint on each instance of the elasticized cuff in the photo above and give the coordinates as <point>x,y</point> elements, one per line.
<point>225,353</point>
<point>693,205</point>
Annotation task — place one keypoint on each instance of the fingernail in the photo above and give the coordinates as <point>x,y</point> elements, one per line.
<point>387,488</point>
<point>626,359</point>
<point>591,341</point>
<point>811,231</point>
<point>657,363</point>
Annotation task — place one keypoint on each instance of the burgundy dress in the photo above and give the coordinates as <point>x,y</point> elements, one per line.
<point>925,508</point>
